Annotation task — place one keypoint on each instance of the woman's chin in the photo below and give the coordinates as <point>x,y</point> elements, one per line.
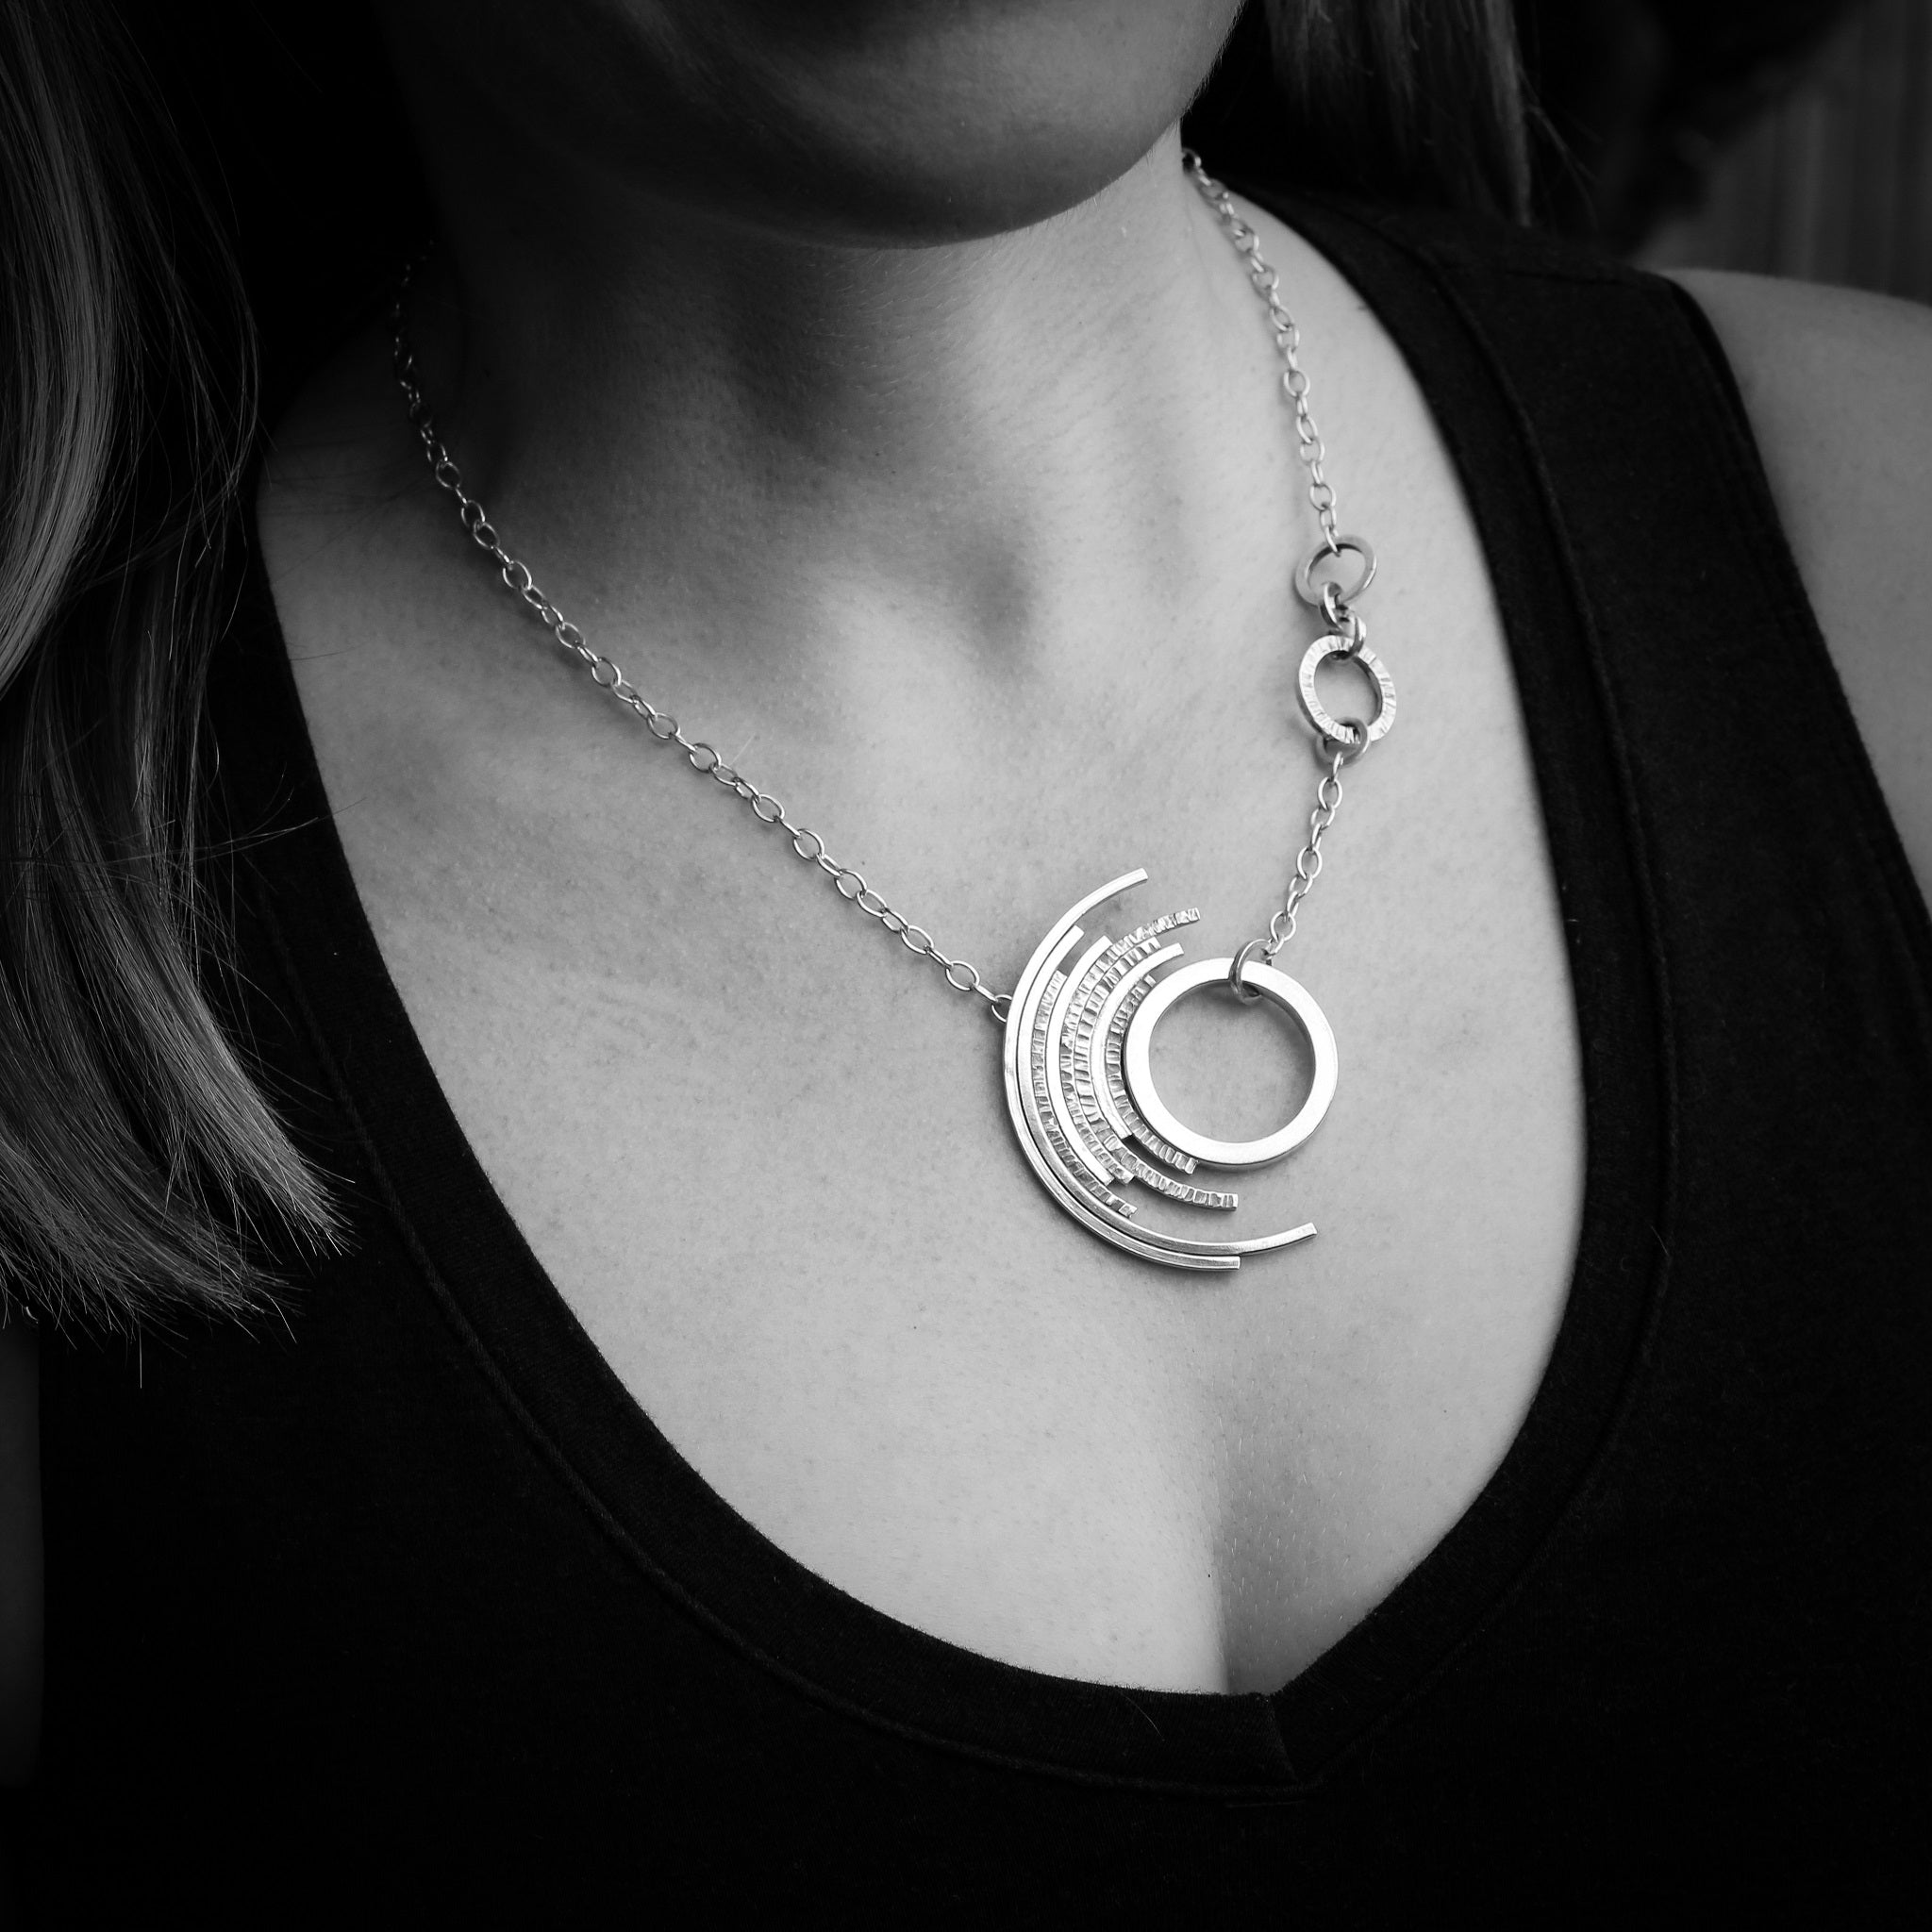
<point>887,194</point>
<point>946,122</point>
<point>893,121</point>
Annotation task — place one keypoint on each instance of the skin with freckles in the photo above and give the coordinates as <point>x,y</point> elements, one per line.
<point>867,380</point>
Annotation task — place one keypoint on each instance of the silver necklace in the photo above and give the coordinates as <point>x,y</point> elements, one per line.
<point>1078,1027</point>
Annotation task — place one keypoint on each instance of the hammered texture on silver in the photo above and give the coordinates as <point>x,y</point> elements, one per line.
<point>1067,1090</point>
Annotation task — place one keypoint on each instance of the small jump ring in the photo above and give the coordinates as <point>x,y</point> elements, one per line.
<point>1352,747</point>
<point>1236,985</point>
<point>1358,547</point>
<point>1345,622</point>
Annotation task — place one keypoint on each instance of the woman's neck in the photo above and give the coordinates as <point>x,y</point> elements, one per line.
<point>1001,437</point>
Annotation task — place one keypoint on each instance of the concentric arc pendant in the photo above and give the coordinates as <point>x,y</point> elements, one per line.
<point>1080,1085</point>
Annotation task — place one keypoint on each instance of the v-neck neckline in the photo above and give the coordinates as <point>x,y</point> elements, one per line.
<point>781,1616</point>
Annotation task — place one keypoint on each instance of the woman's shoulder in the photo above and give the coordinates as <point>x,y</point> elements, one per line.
<point>1837,387</point>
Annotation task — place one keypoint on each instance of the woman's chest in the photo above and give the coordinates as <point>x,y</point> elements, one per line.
<point>766,1158</point>
<point>765,1155</point>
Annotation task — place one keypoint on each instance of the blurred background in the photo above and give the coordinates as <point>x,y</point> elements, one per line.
<point>1783,137</point>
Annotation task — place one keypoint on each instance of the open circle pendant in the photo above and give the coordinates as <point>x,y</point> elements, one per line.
<point>1291,997</point>
<point>1081,1093</point>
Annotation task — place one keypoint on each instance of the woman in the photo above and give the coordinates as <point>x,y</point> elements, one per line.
<point>876,385</point>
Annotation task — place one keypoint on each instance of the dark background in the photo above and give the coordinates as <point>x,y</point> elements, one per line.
<point>1832,181</point>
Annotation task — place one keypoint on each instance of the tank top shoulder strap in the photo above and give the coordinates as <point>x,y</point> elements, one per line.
<point>1608,384</point>
<point>1713,815</point>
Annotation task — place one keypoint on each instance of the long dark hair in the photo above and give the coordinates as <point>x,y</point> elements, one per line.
<point>134,1147</point>
<point>141,1171</point>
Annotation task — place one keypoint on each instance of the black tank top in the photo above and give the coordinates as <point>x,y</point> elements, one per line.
<point>397,1600</point>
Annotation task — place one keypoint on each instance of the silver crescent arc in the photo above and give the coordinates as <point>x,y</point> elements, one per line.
<point>1075,1141</point>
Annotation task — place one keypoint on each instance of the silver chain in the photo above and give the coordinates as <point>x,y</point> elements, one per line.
<point>1288,342</point>
<point>1328,596</point>
<point>1308,863</point>
<point>960,974</point>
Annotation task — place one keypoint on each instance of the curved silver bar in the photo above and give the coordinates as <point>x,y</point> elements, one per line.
<point>1082,1084</point>
<point>1036,1096</point>
<point>1102,1086</point>
<point>1036,1135</point>
<point>1059,930</point>
<point>1031,1135</point>
<point>1087,1149</point>
<point>1115,1011</point>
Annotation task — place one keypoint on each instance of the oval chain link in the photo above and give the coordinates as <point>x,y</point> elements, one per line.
<point>1288,342</point>
<point>851,885</point>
